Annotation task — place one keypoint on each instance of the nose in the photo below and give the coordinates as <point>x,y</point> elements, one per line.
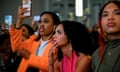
<point>41,24</point>
<point>110,17</point>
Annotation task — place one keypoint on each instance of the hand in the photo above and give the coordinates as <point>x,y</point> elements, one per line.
<point>33,24</point>
<point>21,12</point>
<point>21,16</point>
<point>24,53</point>
<point>53,53</point>
<point>4,26</point>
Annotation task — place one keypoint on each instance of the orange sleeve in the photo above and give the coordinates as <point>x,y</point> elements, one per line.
<point>39,61</point>
<point>15,38</point>
<point>34,61</point>
<point>27,44</point>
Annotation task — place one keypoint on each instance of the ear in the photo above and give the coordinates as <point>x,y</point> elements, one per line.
<point>54,28</point>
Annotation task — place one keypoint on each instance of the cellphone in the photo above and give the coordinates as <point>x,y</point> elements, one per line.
<point>8,21</point>
<point>27,4</point>
<point>36,18</point>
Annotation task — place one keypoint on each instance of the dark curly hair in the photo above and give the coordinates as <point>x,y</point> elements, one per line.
<point>79,37</point>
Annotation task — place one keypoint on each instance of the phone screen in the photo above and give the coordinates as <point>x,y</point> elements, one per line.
<point>36,18</point>
<point>27,4</point>
<point>8,21</point>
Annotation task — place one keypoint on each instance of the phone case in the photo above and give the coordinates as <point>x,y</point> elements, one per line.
<point>27,4</point>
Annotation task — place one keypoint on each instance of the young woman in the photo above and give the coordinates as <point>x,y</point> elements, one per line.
<point>73,46</point>
<point>27,31</point>
<point>9,61</point>
<point>35,49</point>
<point>107,57</point>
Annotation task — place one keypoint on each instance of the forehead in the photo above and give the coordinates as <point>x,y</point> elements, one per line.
<point>46,16</point>
<point>60,26</point>
<point>110,6</point>
<point>24,27</point>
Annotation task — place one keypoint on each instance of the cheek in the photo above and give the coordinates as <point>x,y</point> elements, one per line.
<point>61,41</point>
<point>118,20</point>
<point>49,28</point>
<point>27,32</point>
<point>103,20</point>
<point>103,23</point>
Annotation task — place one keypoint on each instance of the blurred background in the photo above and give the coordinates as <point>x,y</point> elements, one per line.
<point>65,9</point>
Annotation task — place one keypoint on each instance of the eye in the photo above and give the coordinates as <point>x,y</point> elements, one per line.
<point>39,21</point>
<point>104,14</point>
<point>59,32</point>
<point>117,13</point>
<point>45,21</point>
<point>23,30</point>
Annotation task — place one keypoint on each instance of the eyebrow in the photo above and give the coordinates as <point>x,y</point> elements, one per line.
<point>113,10</point>
<point>117,10</point>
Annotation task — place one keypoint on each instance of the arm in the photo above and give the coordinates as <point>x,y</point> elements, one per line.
<point>53,62</point>
<point>21,16</point>
<point>40,62</point>
<point>25,49</point>
<point>15,38</point>
<point>16,34</point>
<point>57,66</point>
<point>33,24</point>
<point>54,67</point>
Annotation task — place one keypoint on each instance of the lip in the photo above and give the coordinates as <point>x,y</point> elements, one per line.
<point>41,29</point>
<point>111,24</point>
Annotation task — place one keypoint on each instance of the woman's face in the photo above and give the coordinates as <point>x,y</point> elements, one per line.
<point>25,32</point>
<point>111,19</point>
<point>46,25</point>
<point>5,48</point>
<point>60,36</point>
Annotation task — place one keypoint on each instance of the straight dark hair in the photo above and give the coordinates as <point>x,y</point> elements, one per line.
<point>55,19</point>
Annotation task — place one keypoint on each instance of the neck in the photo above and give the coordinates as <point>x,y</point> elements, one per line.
<point>45,38</point>
<point>113,36</point>
<point>67,50</point>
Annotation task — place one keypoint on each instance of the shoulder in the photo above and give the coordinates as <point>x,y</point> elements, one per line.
<point>83,63</point>
<point>33,37</point>
<point>84,58</point>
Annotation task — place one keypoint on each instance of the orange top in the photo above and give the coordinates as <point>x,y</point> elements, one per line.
<point>31,45</point>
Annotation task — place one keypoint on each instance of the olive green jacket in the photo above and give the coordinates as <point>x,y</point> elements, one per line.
<point>110,62</point>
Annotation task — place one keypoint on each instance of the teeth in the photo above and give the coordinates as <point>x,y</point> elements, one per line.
<point>41,29</point>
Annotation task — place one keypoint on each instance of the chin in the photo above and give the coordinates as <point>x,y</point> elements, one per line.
<point>111,31</point>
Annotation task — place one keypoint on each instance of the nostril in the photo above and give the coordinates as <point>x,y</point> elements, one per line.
<point>110,18</point>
